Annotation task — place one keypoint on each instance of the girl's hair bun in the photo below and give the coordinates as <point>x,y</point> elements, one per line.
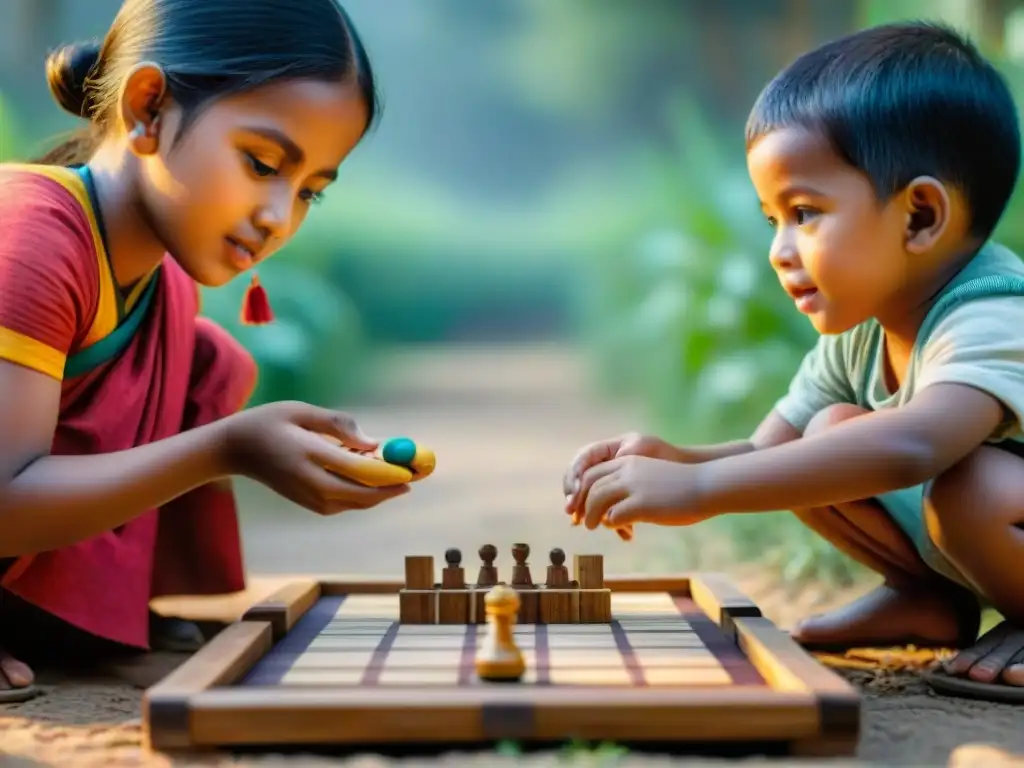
<point>67,71</point>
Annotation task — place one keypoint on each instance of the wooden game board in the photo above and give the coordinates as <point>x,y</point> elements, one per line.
<point>685,659</point>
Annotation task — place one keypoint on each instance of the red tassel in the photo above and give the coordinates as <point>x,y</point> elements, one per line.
<point>256,306</point>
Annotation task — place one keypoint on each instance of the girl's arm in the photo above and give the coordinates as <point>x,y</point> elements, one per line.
<point>48,502</point>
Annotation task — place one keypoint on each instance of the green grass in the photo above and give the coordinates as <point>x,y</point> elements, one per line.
<point>575,752</point>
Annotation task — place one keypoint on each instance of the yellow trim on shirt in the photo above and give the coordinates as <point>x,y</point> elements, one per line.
<point>24,350</point>
<point>135,293</point>
<point>106,318</point>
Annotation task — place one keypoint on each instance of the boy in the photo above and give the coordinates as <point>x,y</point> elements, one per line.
<point>883,162</point>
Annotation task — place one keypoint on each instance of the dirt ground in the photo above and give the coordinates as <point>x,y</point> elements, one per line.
<point>504,423</point>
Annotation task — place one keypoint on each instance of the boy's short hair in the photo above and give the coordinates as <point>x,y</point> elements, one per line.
<point>903,100</point>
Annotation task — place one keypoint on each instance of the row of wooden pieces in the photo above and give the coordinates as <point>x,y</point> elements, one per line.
<point>588,571</point>
<point>560,600</point>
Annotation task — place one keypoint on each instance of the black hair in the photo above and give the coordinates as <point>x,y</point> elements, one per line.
<point>901,100</point>
<point>207,49</point>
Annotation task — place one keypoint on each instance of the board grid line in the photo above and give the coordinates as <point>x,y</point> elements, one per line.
<point>629,659</point>
<point>467,664</point>
<point>542,654</point>
<point>371,675</point>
<point>272,668</point>
<point>728,653</point>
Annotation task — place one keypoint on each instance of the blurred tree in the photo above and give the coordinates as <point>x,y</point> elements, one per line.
<point>603,59</point>
<point>28,32</point>
<point>11,139</point>
<point>505,98</point>
<point>313,351</point>
<point>991,23</point>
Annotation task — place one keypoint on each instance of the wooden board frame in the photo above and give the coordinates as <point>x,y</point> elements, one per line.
<point>806,706</point>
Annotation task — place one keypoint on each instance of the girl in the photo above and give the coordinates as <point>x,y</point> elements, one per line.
<point>213,126</point>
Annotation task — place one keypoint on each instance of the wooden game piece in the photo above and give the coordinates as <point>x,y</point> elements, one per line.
<point>560,599</point>
<point>595,606</point>
<point>419,572</point>
<point>595,598</point>
<point>529,608</point>
<point>558,606</point>
<point>417,600</point>
<point>486,578</point>
<point>558,572</point>
<point>498,658</point>
<point>521,570</point>
<point>588,570</point>
<point>454,575</point>
<point>488,575</point>
<point>453,601</point>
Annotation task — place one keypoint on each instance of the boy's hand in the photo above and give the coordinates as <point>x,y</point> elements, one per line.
<point>639,489</point>
<point>630,444</point>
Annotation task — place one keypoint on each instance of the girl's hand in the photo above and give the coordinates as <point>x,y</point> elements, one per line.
<point>289,448</point>
<point>639,489</point>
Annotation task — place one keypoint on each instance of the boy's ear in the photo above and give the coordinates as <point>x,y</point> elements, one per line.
<point>928,212</point>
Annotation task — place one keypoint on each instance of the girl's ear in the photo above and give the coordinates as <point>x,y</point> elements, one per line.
<point>142,97</point>
<point>928,212</point>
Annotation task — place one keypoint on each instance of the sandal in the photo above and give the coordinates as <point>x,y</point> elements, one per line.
<point>952,685</point>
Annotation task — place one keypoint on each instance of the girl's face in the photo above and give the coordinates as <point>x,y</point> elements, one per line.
<point>238,185</point>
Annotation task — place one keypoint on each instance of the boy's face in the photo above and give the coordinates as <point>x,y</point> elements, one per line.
<point>837,250</point>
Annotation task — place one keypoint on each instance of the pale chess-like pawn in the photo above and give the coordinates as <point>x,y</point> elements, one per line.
<point>498,659</point>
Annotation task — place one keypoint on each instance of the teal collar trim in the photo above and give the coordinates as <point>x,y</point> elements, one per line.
<point>111,346</point>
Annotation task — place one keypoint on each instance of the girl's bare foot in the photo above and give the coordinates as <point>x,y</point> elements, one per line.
<point>168,633</point>
<point>16,680</point>
<point>891,616</point>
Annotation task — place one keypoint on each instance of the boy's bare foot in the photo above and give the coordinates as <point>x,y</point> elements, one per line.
<point>998,657</point>
<point>16,680</point>
<point>890,616</point>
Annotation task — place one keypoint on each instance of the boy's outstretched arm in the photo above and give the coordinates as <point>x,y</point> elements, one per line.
<point>774,430</point>
<point>857,459</point>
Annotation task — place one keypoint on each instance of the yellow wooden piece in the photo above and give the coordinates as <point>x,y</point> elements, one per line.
<point>423,462</point>
<point>498,657</point>
<point>371,470</point>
